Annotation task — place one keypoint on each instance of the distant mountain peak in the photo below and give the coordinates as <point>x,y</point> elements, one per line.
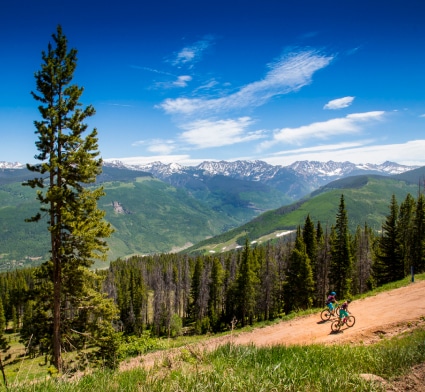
<point>296,180</point>
<point>11,165</point>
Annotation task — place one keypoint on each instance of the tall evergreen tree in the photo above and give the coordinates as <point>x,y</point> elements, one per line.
<point>268,302</point>
<point>310,241</point>
<point>4,346</point>
<point>419,236</point>
<point>69,161</point>
<point>322,265</point>
<point>195,307</point>
<point>341,257</point>
<point>299,285</point>
<point>405,232</point>
<point>246,283</point>
<point>215,303</point>
<point>363,240</point>
<point>389,265</point>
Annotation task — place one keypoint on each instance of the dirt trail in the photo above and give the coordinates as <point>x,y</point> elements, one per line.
<point>384,314</point>
<point>377,315</point>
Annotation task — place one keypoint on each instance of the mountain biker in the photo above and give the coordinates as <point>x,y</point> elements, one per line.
<point>330,301</point>
<point>343,312</point>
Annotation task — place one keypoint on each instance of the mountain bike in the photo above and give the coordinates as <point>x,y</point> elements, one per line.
<point>337,324</point>
<point>326,314</point>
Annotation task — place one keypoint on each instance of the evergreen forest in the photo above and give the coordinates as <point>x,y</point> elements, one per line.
<point>167,295</point>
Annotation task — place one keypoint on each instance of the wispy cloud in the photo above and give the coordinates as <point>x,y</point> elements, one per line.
<point>339,103</point>
<point>157,146</point>
<point>192,53</point>
<point>180,159</point>
<point>153,70</point>
<point>120,105</point>
<point>323,130</point>
<point>182,80</point>
<point>290,73</point>
<point>207,133</point>
<point>409,153</point>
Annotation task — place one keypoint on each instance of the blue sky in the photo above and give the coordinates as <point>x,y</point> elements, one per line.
<point>188,81</point>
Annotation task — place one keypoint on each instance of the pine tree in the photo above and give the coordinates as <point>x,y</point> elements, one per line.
<point>341,257</point>
<point>299,285</point>
<point>215,308</point>
<point>322,264</point>
<point>268,299</point>
<point>362,259</point>
<point>389,265</point>
<point>405,232</point>
<point>195,309</point>
<point>246,283</point>
<point>3,341</point>
<point>418,243</point>
<point>310,241</point>
<point>69,161</point>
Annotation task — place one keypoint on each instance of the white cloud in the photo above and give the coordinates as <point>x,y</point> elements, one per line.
<point>159,146</point>
<point>323,130</point>
<point>207,133</point>
<point>289,74</point>
<point>182,80</point>
<point>339,103</point>
<point>408,153</point>
<point>190,54</point>
<point>143,160</point>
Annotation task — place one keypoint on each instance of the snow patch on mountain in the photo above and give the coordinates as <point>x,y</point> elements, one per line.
<point>11,165</point>
<point>260,171</point>
<point>250,170</point>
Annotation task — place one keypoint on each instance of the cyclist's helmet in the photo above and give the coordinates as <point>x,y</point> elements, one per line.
<point>348,301</point>
<point>333,293</point>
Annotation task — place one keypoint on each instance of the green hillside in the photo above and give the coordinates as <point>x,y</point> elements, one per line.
<point>366,199</point>
<point>148,215</point>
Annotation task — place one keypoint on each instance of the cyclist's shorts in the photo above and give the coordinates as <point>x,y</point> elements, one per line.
<point>330,306</point>
<point>343,313</point>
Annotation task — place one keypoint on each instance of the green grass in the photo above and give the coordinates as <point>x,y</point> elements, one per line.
<point>247,368</point>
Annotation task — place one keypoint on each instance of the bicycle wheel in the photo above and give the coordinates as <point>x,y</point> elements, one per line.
<point>351,320</point>
<point>335,326</point>
<point>325,315</point>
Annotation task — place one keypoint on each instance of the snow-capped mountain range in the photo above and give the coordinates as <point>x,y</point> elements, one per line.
<point>11,165</point>
<point>296,180</point>
<point>258,170</point>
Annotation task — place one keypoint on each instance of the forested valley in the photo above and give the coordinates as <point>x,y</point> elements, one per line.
<point>173,294</point>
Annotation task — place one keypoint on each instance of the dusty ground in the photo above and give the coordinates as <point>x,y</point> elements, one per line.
<point>384,315</point>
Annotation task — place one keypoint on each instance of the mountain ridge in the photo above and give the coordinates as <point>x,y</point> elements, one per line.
<point>296,180</point>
